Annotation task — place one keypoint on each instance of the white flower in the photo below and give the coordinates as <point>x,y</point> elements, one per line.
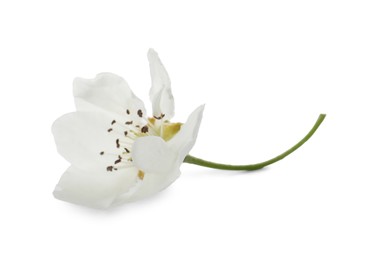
<point>117,153</point>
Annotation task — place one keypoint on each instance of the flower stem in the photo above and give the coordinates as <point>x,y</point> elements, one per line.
<point>252,167</point>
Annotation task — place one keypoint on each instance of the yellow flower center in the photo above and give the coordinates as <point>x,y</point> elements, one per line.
<point>169,130</point>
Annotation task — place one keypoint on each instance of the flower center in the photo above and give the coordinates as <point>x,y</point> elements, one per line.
<point>136,126</point>
<point>169,130</point>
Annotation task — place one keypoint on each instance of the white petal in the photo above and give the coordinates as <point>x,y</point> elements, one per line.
<point>152,154</point>
<point>158,161</point>
<point>81,136</point>
<point>160,93</point>
<point>94,189</point>
<point>106,91</point>
<point>184,140</point>
<point>153,183</point>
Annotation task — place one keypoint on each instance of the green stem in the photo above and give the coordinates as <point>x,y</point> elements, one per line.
<point>194,160</point>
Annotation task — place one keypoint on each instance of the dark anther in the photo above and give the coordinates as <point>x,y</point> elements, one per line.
<point>126,133</point>
<point>117,161</point>
<point>144,129</point>
<point>114,121</point>
<point>117,143</point>
<point>109,168</point>
<point>140,113</point>
<point>129,122</point>
<point>128,111</point>
<point>127,150</point>
<point>109,130</point>
<point>159,117</point>
<point>101,153</point>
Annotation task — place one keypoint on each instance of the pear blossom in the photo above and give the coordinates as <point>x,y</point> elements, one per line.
<point>117,152</point>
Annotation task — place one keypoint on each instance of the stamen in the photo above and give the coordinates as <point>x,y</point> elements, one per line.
<point>126,141</point>
<point>118,160</point>
<point>127,150</point>
<point>144,129</point>
<point>123,166</point>
<point>122,162</point>
<point>114,121</point>
<point>101,153</point>
<point>115,155</point>
<point>159,117</point>
<point>109,130</point>
<point>117,143</point>
<point>140,113</point>
<point>151,123</point>
<point>128,111</point>
<point>128,122</point>
<point>126,133</point>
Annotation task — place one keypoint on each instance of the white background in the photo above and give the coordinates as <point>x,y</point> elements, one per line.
<point>265,70</point>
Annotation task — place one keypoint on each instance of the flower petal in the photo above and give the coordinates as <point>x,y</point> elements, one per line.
<point>81,136</point>
<point>152,184</point>
<point>106,91</point>
<point>94,189</point>
<point>185,139</point>
<point>151,154</point>
<point>160,93</point>
<point>157,160</point>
